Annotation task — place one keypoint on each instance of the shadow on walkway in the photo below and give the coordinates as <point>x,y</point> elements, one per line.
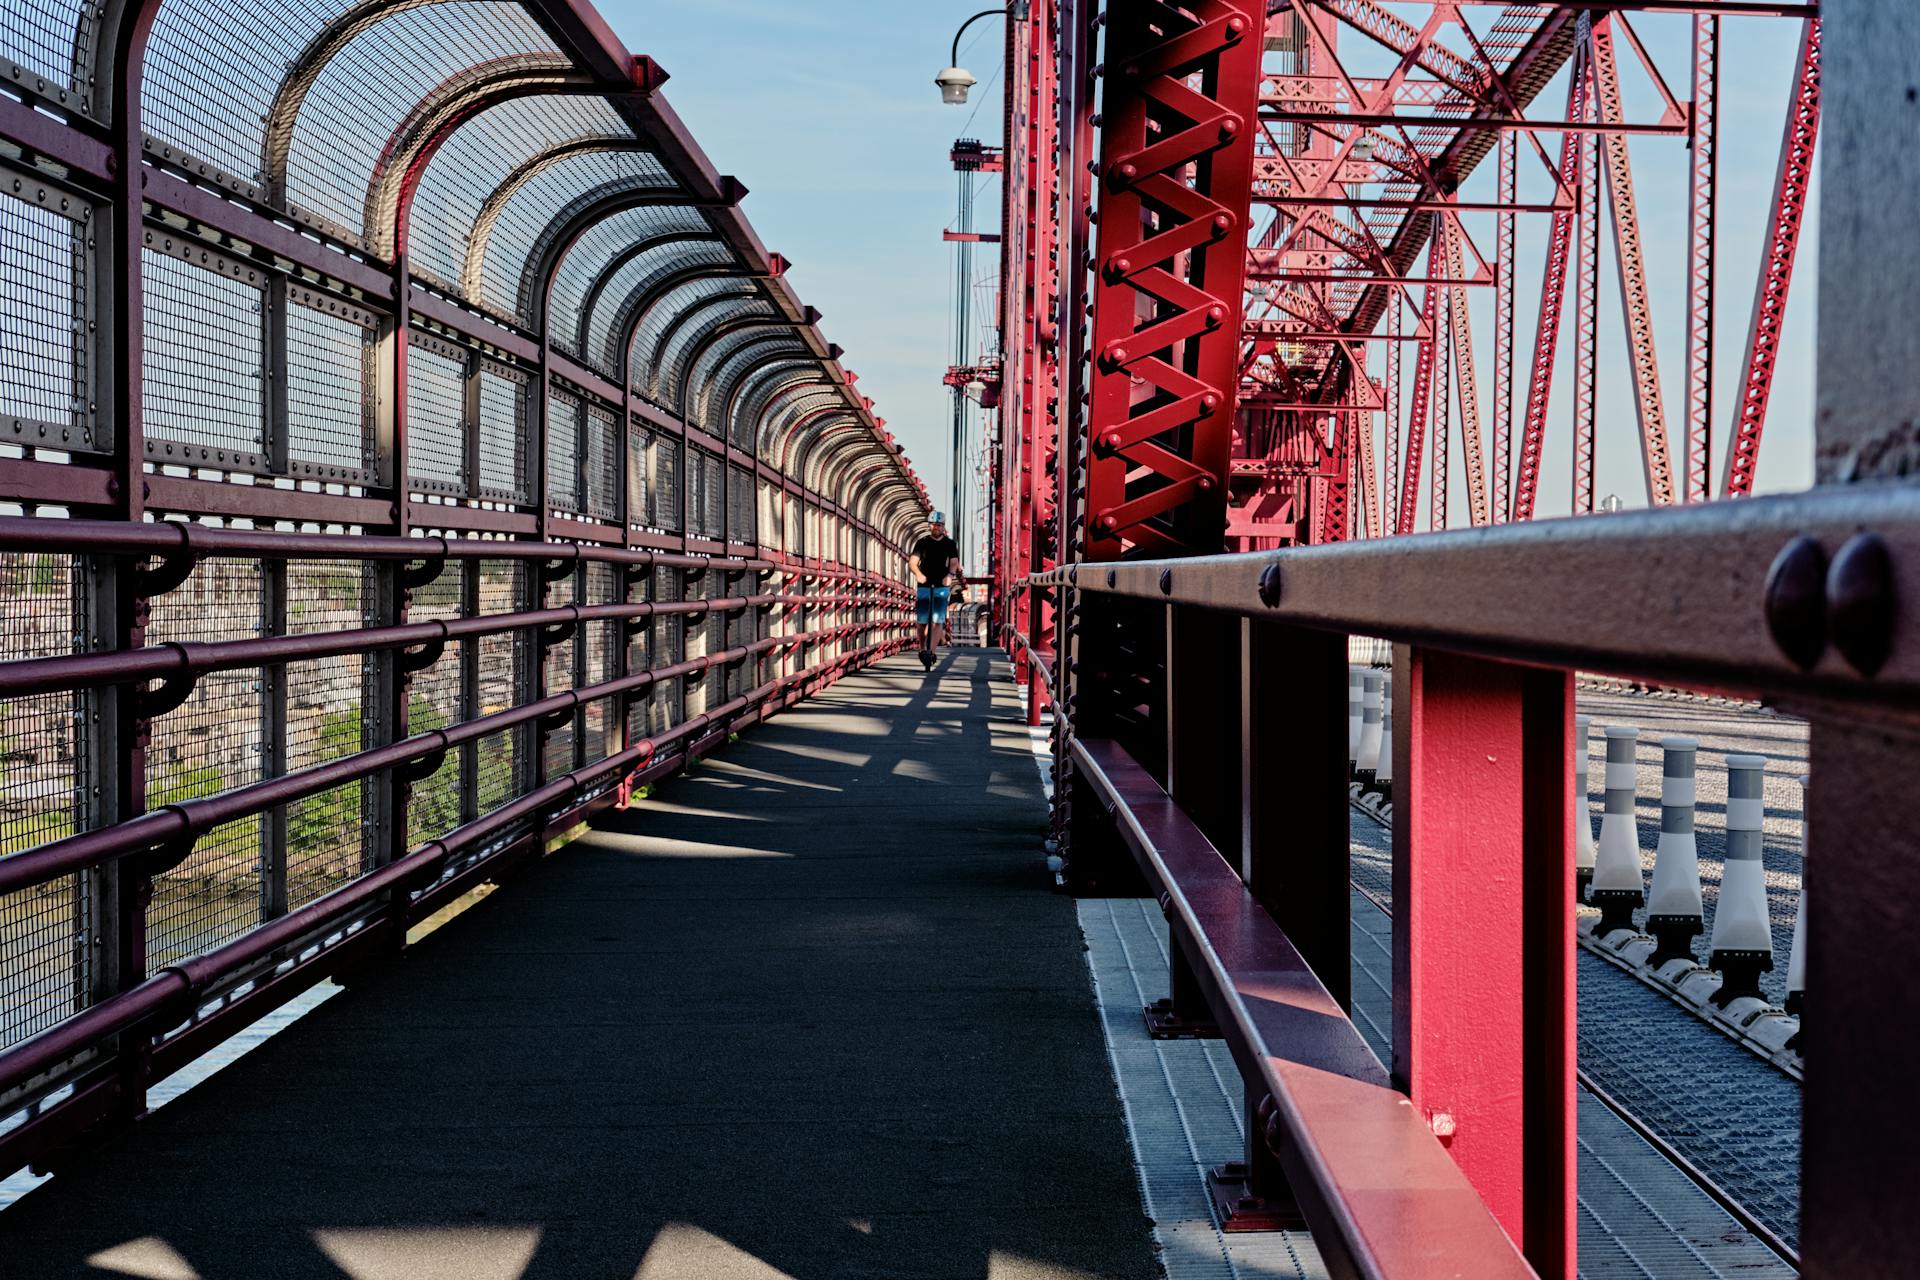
<point>808,1012</point>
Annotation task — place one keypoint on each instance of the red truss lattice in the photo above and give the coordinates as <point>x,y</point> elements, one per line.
<point>1176,171</point>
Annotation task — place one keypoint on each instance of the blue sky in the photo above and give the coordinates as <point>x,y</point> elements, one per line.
<point>829,115</point>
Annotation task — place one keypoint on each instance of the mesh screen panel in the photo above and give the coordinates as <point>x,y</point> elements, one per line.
<point>557,665</point>
<point>43,326</point>
<point>639,505</point>
<point>435,701</point>
<point>482,153</point>
<point>601,640</point>
<point>663,479</point>
<point>326,833</point>
<point>600,468</point>
<point>201,358</point>
<point>615,310</point>
<point>39,35</point>
<point>44,974</point>
<point>675,358</point>
<point>653,325</point>
<point>329,390</point>
<point>563,452</point>
<point>619,234</point>
<point>436,417</point>
<point>503,435</point>
<point>220,119</point>
<point>501,589</point>
<point>374,84</point>
<point>740,499</point>
<point>211,743</point>
<point>538,204</point>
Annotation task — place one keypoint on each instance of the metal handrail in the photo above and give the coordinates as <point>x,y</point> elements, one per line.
<point>1699,595</point>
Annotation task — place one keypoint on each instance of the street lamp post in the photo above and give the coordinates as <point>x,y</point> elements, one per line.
<point>956,79</point>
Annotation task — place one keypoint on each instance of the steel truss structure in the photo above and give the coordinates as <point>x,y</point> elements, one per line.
<point>1365,124</point>
<point>410,448</point>
<point>1260,208</point>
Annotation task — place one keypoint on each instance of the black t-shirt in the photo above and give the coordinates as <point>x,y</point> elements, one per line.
<point>935,555</point>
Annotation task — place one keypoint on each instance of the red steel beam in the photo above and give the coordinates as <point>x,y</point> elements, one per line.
<point>1790,190</point>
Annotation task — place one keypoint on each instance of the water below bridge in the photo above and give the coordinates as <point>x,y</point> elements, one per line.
<point>810,1011</point>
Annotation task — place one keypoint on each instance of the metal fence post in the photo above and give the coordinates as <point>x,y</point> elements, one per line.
<point>1203,777</point>
<point>1483,997</point>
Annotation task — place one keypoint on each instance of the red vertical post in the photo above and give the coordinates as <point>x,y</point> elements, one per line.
<point>1483,998</point>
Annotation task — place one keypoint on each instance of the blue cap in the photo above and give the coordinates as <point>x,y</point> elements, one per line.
<point>938,517</point>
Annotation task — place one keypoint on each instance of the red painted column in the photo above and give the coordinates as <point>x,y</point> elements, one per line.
<point>1483,990</point>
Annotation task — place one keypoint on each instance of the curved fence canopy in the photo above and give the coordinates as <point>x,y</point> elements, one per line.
<point>400,458</point>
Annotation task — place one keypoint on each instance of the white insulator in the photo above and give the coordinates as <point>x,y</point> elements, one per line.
<point>1370,710</point>
<point>1618,885</point>
<point>1579,821</point>
<point>1797,958</point>
<point>1383,770</point>
<point>1740,920</point>
<point>1674,913</point>
<point>1356,697</point>
<point>1742,932</point>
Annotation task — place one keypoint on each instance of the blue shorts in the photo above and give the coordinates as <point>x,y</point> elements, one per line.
<point>930,605</point>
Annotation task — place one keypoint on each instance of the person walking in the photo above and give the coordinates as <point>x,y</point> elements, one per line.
<point>935,558</point>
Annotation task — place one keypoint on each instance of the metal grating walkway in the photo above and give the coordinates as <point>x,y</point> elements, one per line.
<point>810,1011</point>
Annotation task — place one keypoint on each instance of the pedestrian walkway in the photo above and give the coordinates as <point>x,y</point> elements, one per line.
<point>810,1011</point>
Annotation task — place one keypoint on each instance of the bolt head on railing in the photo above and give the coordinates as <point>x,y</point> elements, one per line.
<point>1166,582</point>
<point>1113,578</point>
<point>1796,602</point>
<point>1860,603</point>
<point>1270,586</point>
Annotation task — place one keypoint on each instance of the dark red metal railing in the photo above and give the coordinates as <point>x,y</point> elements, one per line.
<point>1215,780</point>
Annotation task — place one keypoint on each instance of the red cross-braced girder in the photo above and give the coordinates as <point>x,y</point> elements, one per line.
<point>1176,162</point>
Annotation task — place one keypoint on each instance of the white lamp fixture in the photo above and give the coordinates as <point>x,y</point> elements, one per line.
<point>954,83</point>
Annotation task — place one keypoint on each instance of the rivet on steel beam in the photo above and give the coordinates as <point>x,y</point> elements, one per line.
<point>1860,602</point>
<point>1796,602</point>
<point>1203,483</point>
<point>1166,582</point>
<point>1270,586</point>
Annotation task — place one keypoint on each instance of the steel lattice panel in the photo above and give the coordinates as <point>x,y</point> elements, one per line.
<point>740,500</point>
<point>644,353</point>
<point>201,364</point>
<point>639,501</point>
<point>44,970</point>
<point>602,641</point>
<point>563,452</point>
<point>211,743</point>
<point>600,468</point>
<point>542,202</point>
<point>663,481</point>
<point>673,361</point>
<point>374,84</point>
<point>434,701</point>
<point>325,833</point>
<point>472,164</point>
<point>44,396</point>
<point>498,772</point>
<point>45,37</point>
<point>559,669</point>
<point>329,389</point>
<point>596,335</point>
<point>503,434</point>
<point>436,419</point>
<point>667,646</point>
